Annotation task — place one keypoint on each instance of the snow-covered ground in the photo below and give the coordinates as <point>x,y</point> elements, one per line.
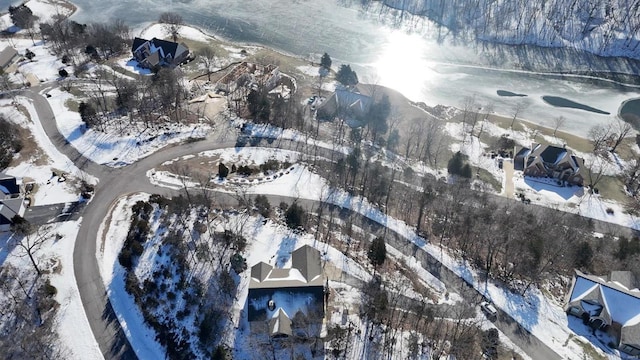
<point>116,147</point>
<point>56,256</point>
<point>111,236</point>
<point>161,31</point>
<point>73,326</point>
<point>545,319</point>
<point>541,191</point>
<point>46,159</point>
<point>43,67</point>
<point>43,9</point>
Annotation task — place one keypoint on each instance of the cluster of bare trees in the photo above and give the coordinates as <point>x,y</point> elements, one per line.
<point>605,139</point>
<point>27,312</point>
<point>27,306</point>
<point>81,43</point>
<point>538,22</point>
<point>151,100</point>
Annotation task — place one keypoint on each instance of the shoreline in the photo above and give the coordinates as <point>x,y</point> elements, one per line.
<point>576,76</point>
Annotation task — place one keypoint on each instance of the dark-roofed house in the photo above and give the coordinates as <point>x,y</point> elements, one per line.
<point>345,103</point>
<point>155,53</point>
<point>9,186</point>
<point>9,208</point>
<point>287,301</point>
<point>550,161</point>
<point>7,57</point>
<point>608,304</point>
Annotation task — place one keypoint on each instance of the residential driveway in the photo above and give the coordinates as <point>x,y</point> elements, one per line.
<point>44,214</point>
<point>507,166</point>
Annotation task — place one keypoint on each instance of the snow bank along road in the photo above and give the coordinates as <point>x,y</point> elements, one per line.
<point>113,183</point>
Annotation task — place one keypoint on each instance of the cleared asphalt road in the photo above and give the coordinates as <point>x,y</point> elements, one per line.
<point>114,183</point>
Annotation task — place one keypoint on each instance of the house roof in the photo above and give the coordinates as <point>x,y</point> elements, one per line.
<point>307,260</point>
<point>624,278</point>
<point>7,55</point>
<point>158,49</point>
<point>10,208</point>
<point>280,324</point>
<point>9,184</point>
<point>305,271</point>
<point>137,42</point>
<point>620,304</point>
<point>345,99</point>
<point>550,154</point>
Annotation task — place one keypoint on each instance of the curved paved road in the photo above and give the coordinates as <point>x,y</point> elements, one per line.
<point>113,183</point>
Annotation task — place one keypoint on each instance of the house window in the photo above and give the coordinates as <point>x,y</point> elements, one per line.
<point>630,349</point>
<point>575,311</point>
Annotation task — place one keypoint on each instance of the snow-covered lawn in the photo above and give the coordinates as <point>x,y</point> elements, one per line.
<point>117,147</point>
<point>160,31</point>
<point>44,66</point>
<point>44,161</point>
<point>542,191</point>
<point>43,9</point>
<point>131,65</point>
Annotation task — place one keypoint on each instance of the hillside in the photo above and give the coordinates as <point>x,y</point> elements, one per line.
<point>606,28</point>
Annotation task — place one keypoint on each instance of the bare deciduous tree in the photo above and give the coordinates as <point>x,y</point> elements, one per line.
<point>172,23</point>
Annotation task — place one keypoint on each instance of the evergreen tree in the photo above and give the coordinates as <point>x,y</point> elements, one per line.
<point>377,252</point>
<point>223,171</point>
<point>325,61</point>
<point>346,76</point>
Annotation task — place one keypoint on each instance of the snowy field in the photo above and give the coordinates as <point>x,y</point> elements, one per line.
<point>116,147</point>
<point>160,31</point>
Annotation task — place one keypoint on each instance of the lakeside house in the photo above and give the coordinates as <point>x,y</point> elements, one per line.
<point>610,304</point>
<point>345,103</point>
<point>155,53</point>
<point>247,75</point>
<point>550,161</point>
<point>285,302</point>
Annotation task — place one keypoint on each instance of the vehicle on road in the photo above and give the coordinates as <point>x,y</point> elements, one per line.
<point>489,310</point>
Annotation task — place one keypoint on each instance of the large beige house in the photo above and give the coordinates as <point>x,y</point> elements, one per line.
<point>550,161</point>
<point>284,302</point>
<point>608,304</point>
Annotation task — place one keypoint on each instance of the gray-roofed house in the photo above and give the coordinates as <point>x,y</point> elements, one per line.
<point>551,161</point>
<point>9,186</point>
<point>280,298</point>
<point>8,56</point>
<point>155,53</point>
<point>9,208</point>
<point>345,103</point>
<point>608,304</point>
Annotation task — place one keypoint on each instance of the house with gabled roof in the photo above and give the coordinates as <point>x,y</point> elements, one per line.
<point>8,56</point>
<point>347,103</point>
<point>550,161</point>
<point>609,304</point>
<point>9,209</point>
<point>155,53</point>
<point>284,302</point>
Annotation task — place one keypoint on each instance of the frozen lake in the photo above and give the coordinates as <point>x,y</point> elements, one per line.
<point>413,63</point>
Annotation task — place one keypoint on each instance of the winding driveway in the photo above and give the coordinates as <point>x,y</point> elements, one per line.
<point>116,182</point>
